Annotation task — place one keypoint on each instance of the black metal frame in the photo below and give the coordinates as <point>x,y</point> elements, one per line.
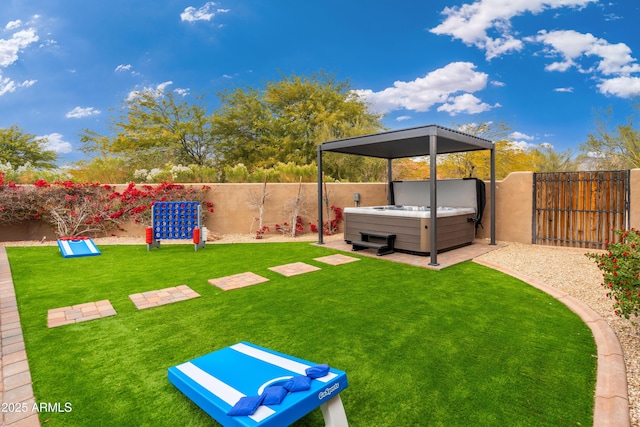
<point>413,142</point>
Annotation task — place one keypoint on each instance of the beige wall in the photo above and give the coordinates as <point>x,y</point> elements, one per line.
<point>233,215</point>
<point>514,207</point>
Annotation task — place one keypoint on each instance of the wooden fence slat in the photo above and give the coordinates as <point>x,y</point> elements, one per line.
<point>579,209</point>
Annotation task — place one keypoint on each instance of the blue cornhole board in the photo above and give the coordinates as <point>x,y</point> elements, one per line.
<point>77,248</point>
<point>216,381</point>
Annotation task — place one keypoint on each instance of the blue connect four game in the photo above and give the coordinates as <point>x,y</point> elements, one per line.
<point>175,220</point>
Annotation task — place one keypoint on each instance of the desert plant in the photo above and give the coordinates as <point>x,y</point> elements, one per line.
<point>620,267</point>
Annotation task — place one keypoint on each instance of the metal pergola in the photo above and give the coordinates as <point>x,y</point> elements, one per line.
<point>429,141</point>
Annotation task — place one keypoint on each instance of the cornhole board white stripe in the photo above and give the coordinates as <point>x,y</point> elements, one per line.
<point>224,391</point>
<point>77,248</point>
<point>283,362</point>
<point>216,381</point>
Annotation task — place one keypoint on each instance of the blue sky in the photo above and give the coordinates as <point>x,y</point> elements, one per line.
<point>541,66</point>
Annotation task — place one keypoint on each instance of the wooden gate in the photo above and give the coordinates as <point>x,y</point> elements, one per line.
<point>579,209</point>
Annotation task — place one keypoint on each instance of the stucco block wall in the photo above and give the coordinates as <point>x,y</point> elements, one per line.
<point>514,207</point>
<point>233,214</point>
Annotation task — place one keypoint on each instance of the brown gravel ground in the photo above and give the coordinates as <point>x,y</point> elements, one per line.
<point>567,269</point>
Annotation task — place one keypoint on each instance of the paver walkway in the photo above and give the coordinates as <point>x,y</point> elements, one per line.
<point>294,269</point>
<point>79,313</point>
<point>162,296</point>
<point>15,377</point>
<point>238,281</point>
<point>336,259</point>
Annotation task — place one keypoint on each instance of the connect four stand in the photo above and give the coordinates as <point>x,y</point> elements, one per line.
<point>175,220</point>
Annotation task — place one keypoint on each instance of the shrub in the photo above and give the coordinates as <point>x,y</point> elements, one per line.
<point>620,267</point>
<point>75,209</point>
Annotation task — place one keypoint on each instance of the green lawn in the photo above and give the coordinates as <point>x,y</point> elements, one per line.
<point>465,346</point>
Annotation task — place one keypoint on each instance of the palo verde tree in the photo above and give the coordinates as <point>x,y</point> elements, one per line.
<point>155,128</point>
<point>285,121</point>
<point>19,148</point>
<point>613,149</point>
<point>547,160</point>
<point>509,157</point>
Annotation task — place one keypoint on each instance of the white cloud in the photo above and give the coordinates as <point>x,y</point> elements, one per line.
<point>54,142</point>
<point>571,46</point>
<point>205,13</point>
<point>523,145</point>
<point>12,25</point>
<point>155,91</point>
<point>20,40</point>
<point>472,22</point>
<point>564,89</point>
<point>465,103</point>
<point>441,86</point>
<point>122,68</point>
<point>7,85</point>
<point>520,135</point>
<point>614,61</point>
<point>181,91</point>
<point>623,87</point>
<point>403,118</point>
<point>80,112</point>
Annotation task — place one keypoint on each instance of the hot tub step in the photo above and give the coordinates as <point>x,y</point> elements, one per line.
<point>382,248</point>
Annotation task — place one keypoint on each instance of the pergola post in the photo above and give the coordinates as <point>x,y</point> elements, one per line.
<point>320,235</point>
<point>433,179</point>
<point>493,195</point>
<point>389,181</point>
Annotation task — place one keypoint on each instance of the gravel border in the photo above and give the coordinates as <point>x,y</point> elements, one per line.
<point>569,270</point>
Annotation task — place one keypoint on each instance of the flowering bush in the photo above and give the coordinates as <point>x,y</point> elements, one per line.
<point>298,228</point>
<point>330,226</point>
<point>74,209</point>
<point>620,268</point>
<point>261,232</point>
<point>16,202</point>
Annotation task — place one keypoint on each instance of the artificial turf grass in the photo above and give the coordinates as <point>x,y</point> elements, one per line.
<point>462,346</point>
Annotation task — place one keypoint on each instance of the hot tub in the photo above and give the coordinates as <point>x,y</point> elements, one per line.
<point>409,216</point>
<point>411,226</point>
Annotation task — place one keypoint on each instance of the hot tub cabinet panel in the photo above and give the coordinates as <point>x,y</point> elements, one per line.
<point>412,233</point>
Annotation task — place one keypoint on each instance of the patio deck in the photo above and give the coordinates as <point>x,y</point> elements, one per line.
<point>445,259</point>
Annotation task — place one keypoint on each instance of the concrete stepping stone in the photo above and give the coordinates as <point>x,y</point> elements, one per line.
<point>162,297</point>
<point>336,259</point>
<point>238,281</point>
<point>79,313</point>
<point>294,269</point>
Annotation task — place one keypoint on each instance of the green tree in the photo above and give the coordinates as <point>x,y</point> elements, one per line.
<point>613,149</point>
<point>288,119</point>
<point>156,128</point>
<point>509,157</point>
<point>19,148</point>
<point>548,160</point>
